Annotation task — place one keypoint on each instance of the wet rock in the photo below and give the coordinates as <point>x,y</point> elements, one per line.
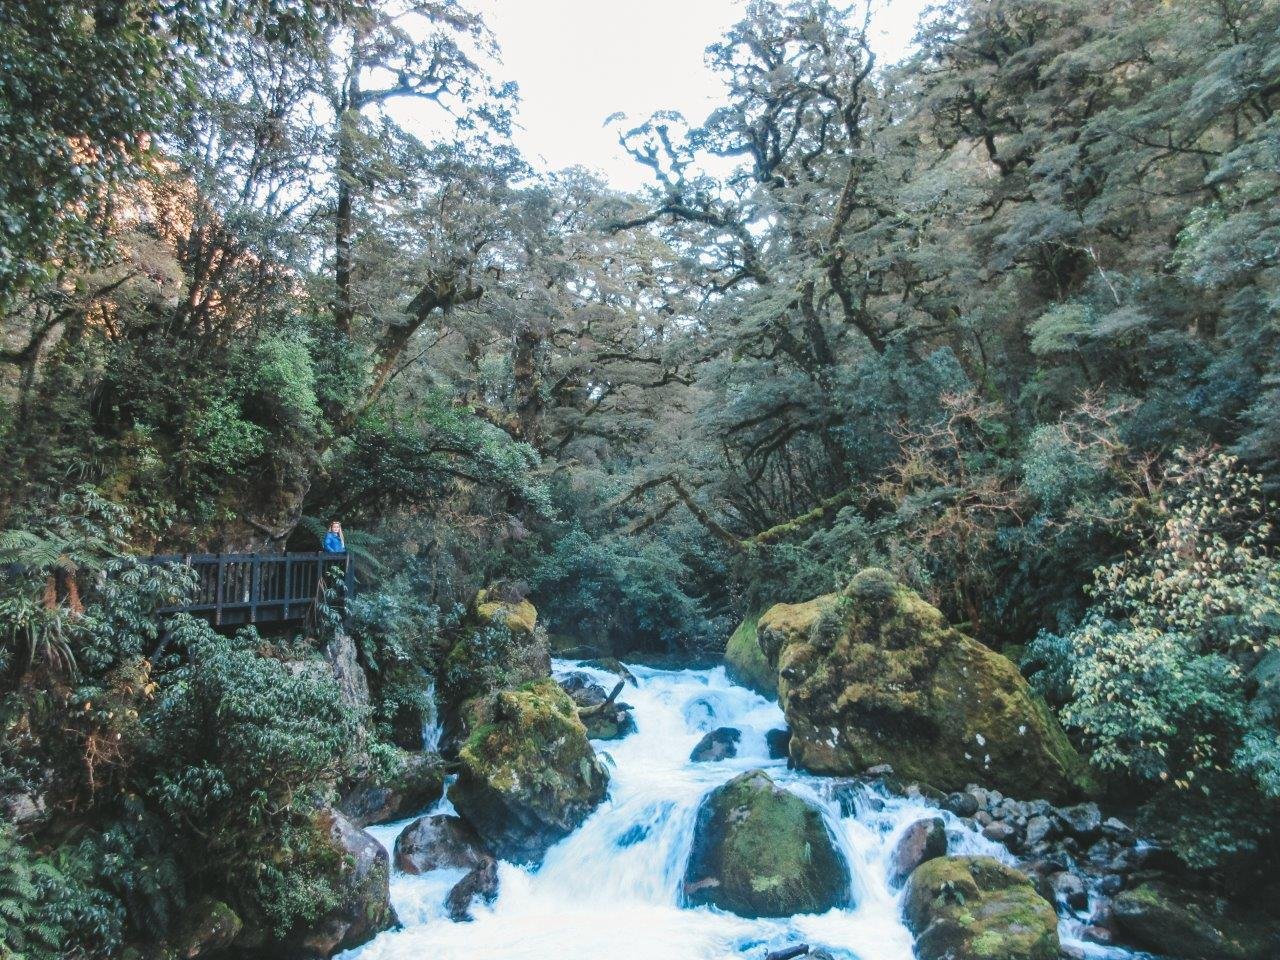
<point>746,663</point>
<point>924,840</point>
<point>1040,829</point>
<point>1096,934</point>
<point>1084,820</point>
<point>481,881</point>
<point>208,928</point>
<point>1117,830</point>
<point>777,742</point>
<point>961,804</point>
<point>1000,832</point>
<point>528,775</point>
<point>1190,925</point>
<point>977,908</point>
<point>436,842</point>
<point>1069,890</point>
<point>417,785</point>
<point>879,770</point>
<point>983,819</point>
<point>878,676</point>
<point>719,744</point>
<point>364,909</point>
<point>761,851</point>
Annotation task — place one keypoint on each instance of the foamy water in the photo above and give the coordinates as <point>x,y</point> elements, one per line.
<point>611,889</point>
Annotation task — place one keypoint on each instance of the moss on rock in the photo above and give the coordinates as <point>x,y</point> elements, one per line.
<point>1191,925</point>
<point>876,675</point>
<point>745,662</point>
<point>528,775</point>
<point>499,647</point>
<point>977,908</point>
<point>761,851</point>
<point>518,616</point>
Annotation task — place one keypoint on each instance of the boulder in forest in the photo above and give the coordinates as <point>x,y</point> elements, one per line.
<point>977,908</point>
<point>1191,925</point>
<point>875,675</point>
<point>718,744</point>
<point>365,907</point>
<point>207,929</point>
<point>438,842</point>
<point>923,841</point>
<point>528,775</point>
<point>415,786</point>
<point>500,647</point>
<point>762,851</point>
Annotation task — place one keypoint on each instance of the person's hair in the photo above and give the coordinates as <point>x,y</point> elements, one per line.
<point>332,522</point>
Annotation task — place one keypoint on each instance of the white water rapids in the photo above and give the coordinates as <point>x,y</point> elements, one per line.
<point>612,888</point>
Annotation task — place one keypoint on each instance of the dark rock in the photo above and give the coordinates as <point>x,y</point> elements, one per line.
<point>1069,890</point>
<point>584,691</point>
<point>1190,925</point>
<point>977,908</point>
<point>924,840</point>
<point>207,928</point>
<point>1084,820</point>
<point>612,723</point>
<point>365,907</point>
<point>418,784</point>
<point>528,775</point>
<point>1039,829</point>
<point>1110,885</point>
<point>432,843</point>
<point>1117,830</point>
<point>481,881</point>
<point>761,851</point>
<point>1098,935</point>
<point>777,742</point>
<point>961,804</point>
<point>719,744</point>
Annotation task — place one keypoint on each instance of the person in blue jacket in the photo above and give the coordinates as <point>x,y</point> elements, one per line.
<point>334,542</point>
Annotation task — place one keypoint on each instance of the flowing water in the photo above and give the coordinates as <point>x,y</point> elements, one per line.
<point>612,888</point>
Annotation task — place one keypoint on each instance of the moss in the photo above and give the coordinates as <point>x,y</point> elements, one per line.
<point>745,662</point>
<point>762,851</point>
<point>878,676</point>
<point>518,617</point>
<point>1191,925</point>
<point>976,908</point>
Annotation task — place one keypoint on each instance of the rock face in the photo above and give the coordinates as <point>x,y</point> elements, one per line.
<point>436,842</point>
<point>924,840</point>
<point>528,774</point>
<point>976,908</point>
<point>419,784</point>
<point>876,676</point>
<point>719,744</point>
<point>365,910</point>
<point>1180,923</point>
<point>745,662</point>
<point>340,653</point>
<point>760,851</point>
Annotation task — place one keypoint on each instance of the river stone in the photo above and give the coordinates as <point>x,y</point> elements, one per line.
<point>417,784</point>
<point>977,908</point>
<point>364,910</point>
<point>761,851</point>
<point>1084,820</point>
<point>923,840</point>
<point>528,775</point>
<point>1189,925</point>
<point>1069,890</point>
<point>481,881</point>
<point>719,744</point>
<point>745,662</point>
<point>961,804</point>
<point>1039,829</point>
<point>435,842</point>
<point>876,675</point>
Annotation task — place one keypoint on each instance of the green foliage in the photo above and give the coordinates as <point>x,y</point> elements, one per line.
<point>1156,676</point>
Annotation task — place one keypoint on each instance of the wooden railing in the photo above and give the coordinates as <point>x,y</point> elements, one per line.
<point>233,588</point>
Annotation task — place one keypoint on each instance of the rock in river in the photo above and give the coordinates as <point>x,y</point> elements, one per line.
<point>718,744</point>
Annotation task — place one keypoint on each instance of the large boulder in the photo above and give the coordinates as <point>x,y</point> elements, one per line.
<point>977,908</point>
<point>1191,925</point>
<point>364,884</point>
<point>418,783</point>
<point>208,927</point>
<point>876,676</point>
<point>499,647</point>
<point>528,775</point>
<point>761,851</point>
<point>745,662</point>
<point>437,842</point>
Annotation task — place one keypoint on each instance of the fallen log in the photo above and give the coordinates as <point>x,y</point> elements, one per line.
<point>604,704</point>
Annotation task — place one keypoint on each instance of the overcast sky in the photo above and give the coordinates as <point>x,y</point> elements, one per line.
<point>578,61</point>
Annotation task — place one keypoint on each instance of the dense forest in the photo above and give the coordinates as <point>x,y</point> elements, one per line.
<point>1002,320</point>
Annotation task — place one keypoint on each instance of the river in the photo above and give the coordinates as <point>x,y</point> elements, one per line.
<point>612,888</point>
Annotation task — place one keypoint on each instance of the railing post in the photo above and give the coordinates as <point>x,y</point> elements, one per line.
<point>348,583</point>
<point>255,586</point>
<point>218,587</point>
<point>288,584</point>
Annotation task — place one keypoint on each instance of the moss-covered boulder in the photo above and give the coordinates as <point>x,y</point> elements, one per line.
<point>875,675</point>
<point>745,662</point>
<point>1192,925</point>
<point>977,908</point>
<point>761,851</point>
<point>499,647</point>
<point>207,929</point>
<point>415,784</point>
<point>528,775</point>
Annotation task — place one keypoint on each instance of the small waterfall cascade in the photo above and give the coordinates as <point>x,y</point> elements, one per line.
<point>612,888</point>
<point>432,727</point>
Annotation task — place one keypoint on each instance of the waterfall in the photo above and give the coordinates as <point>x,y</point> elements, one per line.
<point>432,729</point>
<point>611,889</point>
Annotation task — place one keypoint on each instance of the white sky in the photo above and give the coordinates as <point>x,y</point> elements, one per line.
<point>578,61</point>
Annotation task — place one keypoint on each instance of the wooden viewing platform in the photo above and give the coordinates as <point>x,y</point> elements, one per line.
<point>234,588</point>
